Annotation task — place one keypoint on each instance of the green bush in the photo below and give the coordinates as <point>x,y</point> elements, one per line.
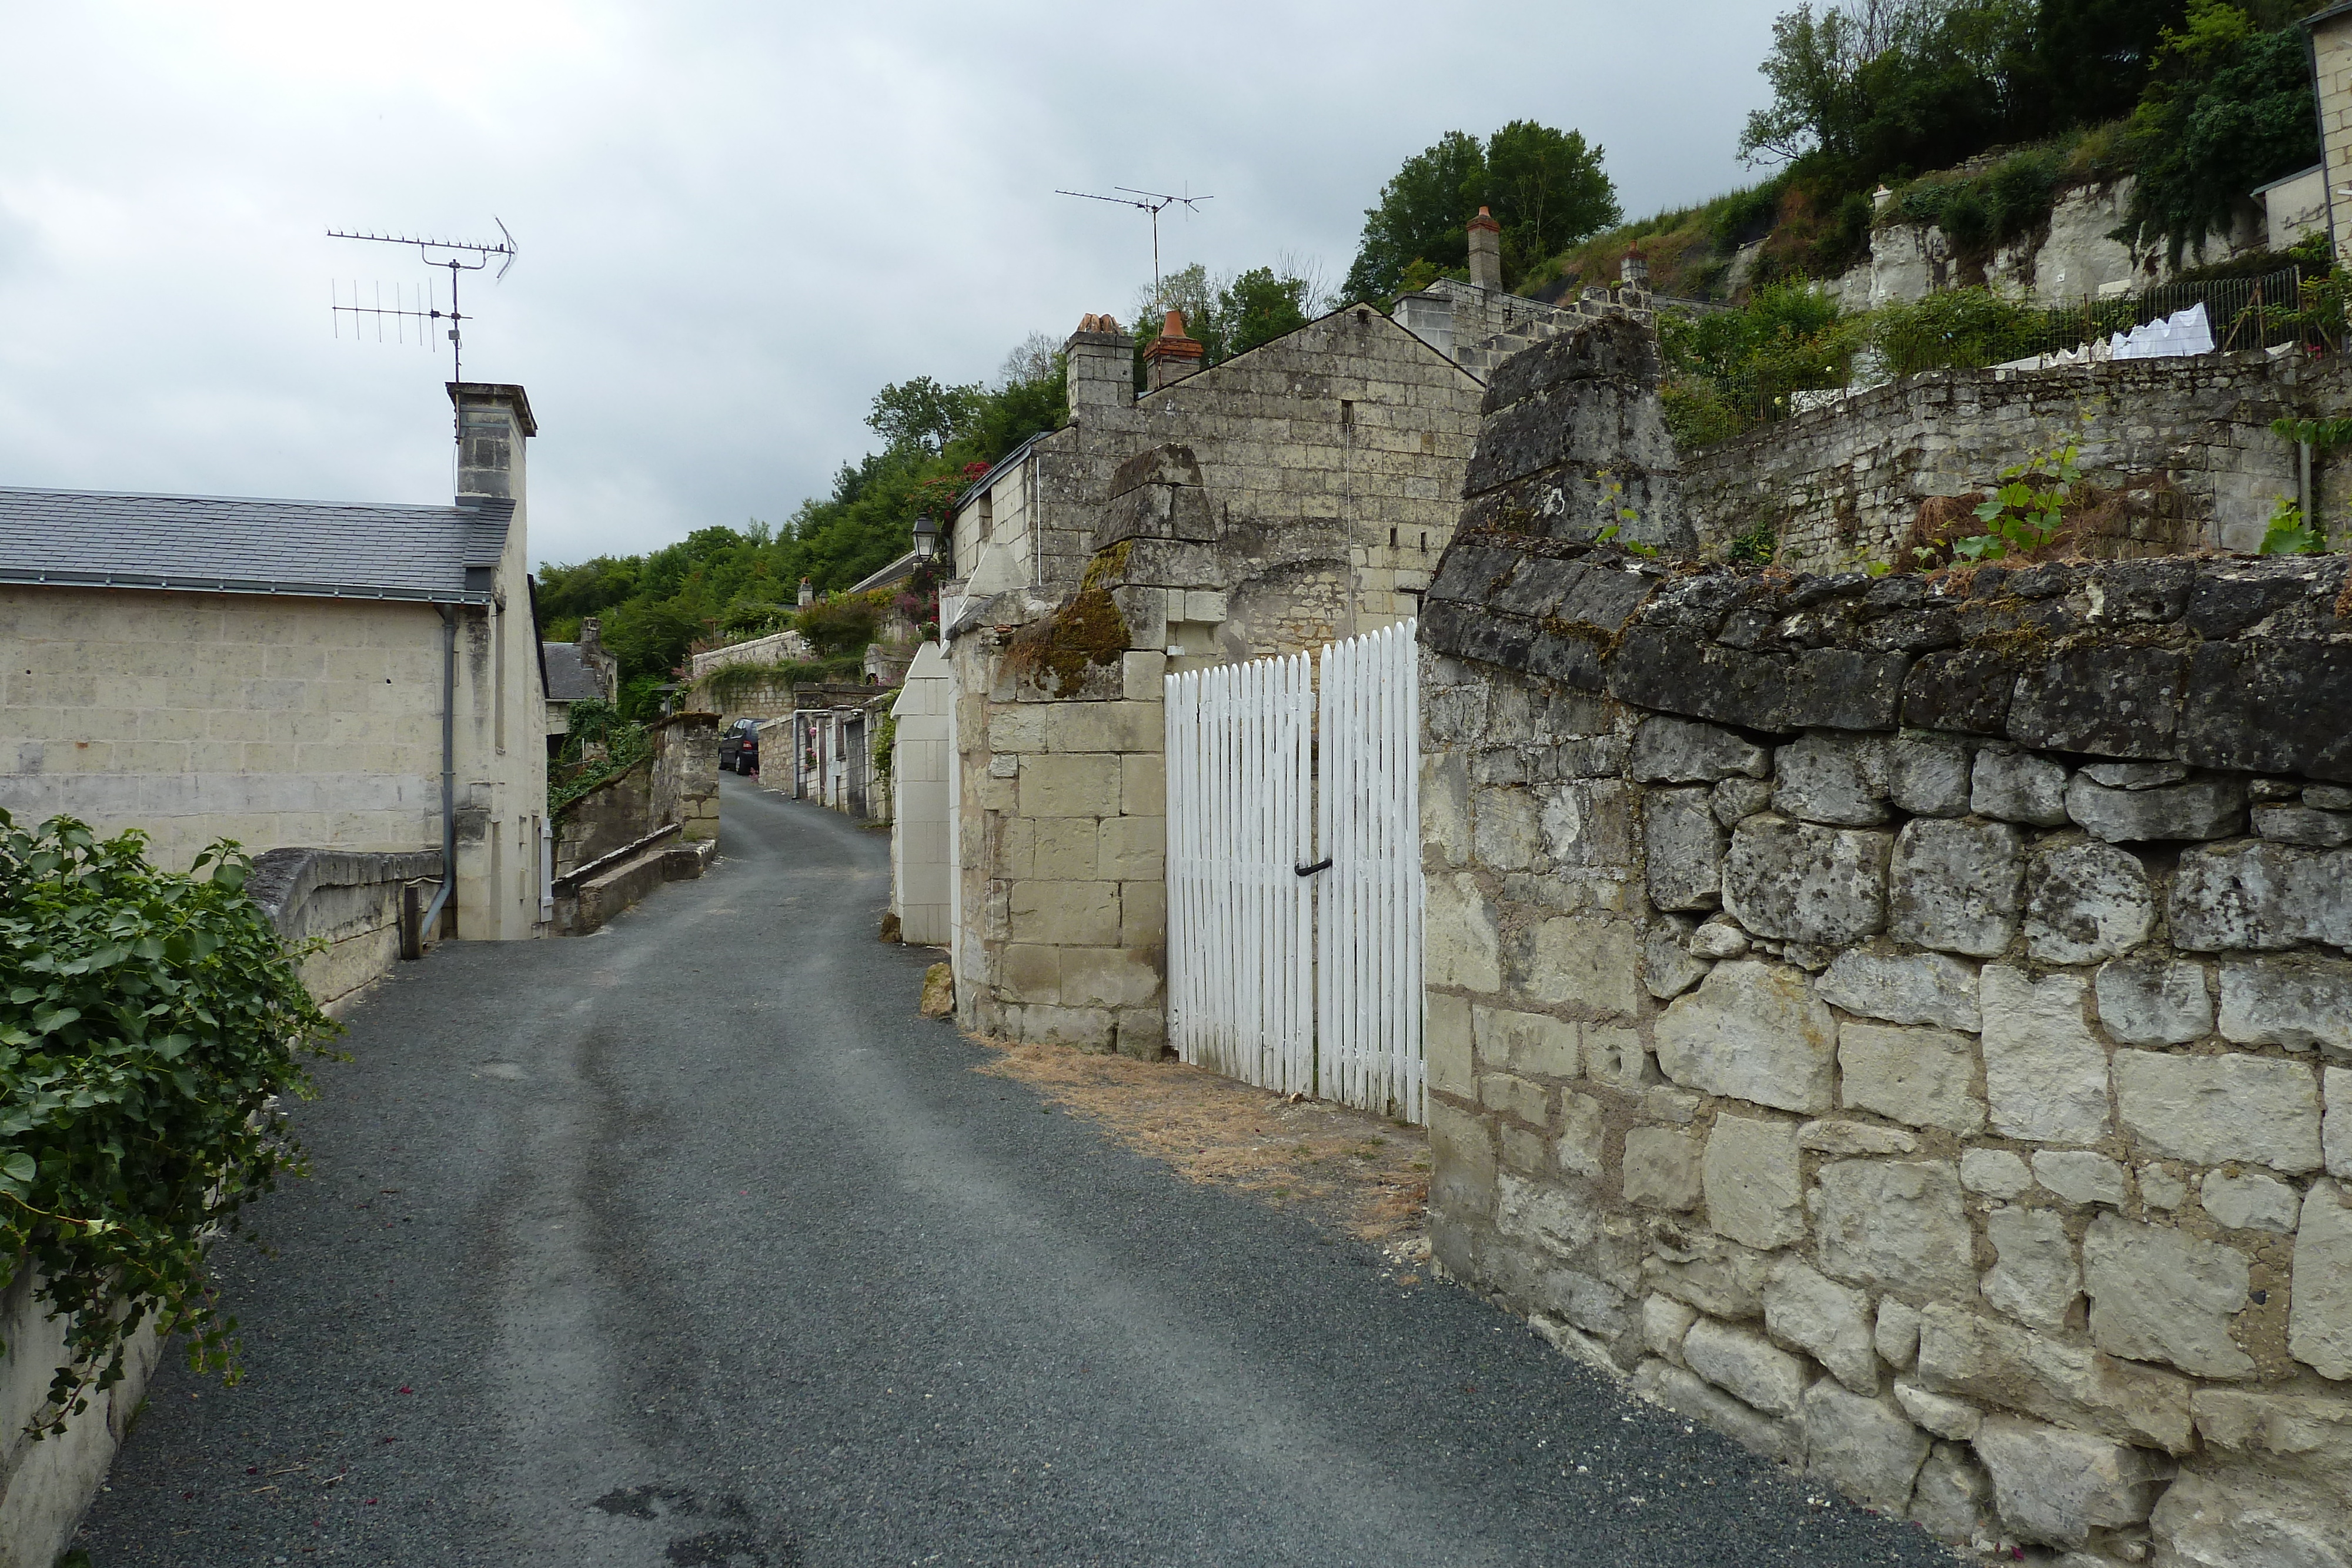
<point>1957,329</point>
<point>149,1021</point>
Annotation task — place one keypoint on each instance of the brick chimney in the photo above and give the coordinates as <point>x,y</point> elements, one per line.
<point>1485,251</point>
<point>1101,361</point>
<point>1171,356</point>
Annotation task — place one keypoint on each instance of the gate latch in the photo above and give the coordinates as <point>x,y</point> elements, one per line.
<point>1323,864</point>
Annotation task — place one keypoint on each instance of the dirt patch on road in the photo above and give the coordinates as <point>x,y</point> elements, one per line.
<point>1365,1175</point>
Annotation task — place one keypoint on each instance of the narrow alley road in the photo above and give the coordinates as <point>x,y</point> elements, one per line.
<point>689,1243</point>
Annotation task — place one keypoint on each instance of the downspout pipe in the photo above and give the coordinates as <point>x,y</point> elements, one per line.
<point>448,770</point>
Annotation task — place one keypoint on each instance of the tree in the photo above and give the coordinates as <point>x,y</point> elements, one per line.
<point>921,415</point>
<point>1546,189</point>
<point>1420,216</point>
<point>2230,108</point>
<point>1259,306</point>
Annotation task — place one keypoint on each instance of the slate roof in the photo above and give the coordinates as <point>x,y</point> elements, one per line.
<point>570,677</point>
<point>215,544</point>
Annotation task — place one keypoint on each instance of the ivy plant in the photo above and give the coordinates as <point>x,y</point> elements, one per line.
<point>150,1020</point>
<point>2029,509</point>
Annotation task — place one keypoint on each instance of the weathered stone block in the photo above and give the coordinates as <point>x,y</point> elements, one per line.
<point>1464,1175</point>
<point>2018,786</point>
<point>2034,1280</point>
<point>1131,848</point>
<point>1687,1395</point>
<point>1928,774</point>
<point>2004,1365</point>
<point>1903,987</point>
<point>2216,1109</point>
<point>2116,701</point>
<point>2298,1000</point>
<point>1954,1418</point>
<point>2153,1000</point>
<point>2160,1294</point>
<point>2336,1135</point>
<point>1460,943</point>
<point>1683,845</point>
<point>2250,1201</point>
<point>1661,1167</point>
<point>1839,780</point>
<point>1849,1139</point>
<point>1665,1321</point>
<point>1668,966</point>
<point>1719,938</point>
<point>1065,849</point>
<point>1810,1311</point>
<point>1794,882</point>
<point>1895,1225</point>
<point>1588,963</point>
<point>1739,796</point>
<point>1668,750</point>
<point>2302,825</point>
<point>2268,706</point>
<point>1927,1077</point>
<point>1583,1134</point>
<point>2057,1486</point>
<point>1561,1218</point>
<point>1746,1365</point>
<point>2258,896</point>
<point>1996,1172</point>
<point>1504,838</point>
<point>2209,808</point>
<point>1750,1177</point>
<point>2319,1323</point>
<point>1077,914</point>
<point>1069,785</point>
<point>1446,1050</point>
<point>1957,886</point>
<point>1865,1447</point>
<point>2046,1077</point>
<point>1109,977</point>
<point>2242,1516</point>
<point>1120,727</point>
<point>1587,824</point>
<point>1952,1499</point>
<point>2082,1177</point>
<point>1896,1335</point>
<point>1753,1032</point>
<point>1525,1042</point>
<point>1509,1095</point>
<point>2085,902</point>
<point>1666,670</point>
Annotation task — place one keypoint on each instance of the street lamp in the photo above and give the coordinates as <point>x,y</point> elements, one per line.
<point>927,540</point>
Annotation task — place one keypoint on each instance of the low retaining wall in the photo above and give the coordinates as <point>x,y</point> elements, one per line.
<point>1908,1024</point>
<point>46,1486</point>
<point>351,900</point>
<point>676,781</point>
<point>1843,485</point>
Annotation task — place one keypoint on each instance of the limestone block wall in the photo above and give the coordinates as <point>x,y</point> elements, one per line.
<point>350,902</point>
<point>1908,1023</point>
<point>921,858</point>
<point>676,781</point>
<point>46,1485</point>
<point>1843,485</point>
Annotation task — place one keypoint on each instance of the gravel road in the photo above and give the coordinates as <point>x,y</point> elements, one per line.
<point>688,1243</point>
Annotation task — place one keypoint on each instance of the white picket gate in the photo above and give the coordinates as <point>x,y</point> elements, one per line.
<point>1293,873</point>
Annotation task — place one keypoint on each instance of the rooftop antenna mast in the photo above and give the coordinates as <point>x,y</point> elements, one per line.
<point>1152,202</point>
<point>454,255</point>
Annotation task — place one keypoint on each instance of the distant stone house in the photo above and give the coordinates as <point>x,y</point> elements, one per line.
<point>575,672</point>
<point>1294,495</point>
<point>293,675</point>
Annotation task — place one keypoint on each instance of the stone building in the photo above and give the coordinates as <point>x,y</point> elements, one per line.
<point>572,672</point>
<point>288,674</point>
<point>1294,494</point>
<point>1904,1022</point>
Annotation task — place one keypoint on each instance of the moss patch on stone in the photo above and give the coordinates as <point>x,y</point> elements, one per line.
<point>1054,655</point>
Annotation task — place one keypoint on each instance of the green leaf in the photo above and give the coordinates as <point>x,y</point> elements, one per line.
<point>19,1167</point>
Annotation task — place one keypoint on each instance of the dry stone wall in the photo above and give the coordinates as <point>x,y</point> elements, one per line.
<point>1843,485</point>
<point>1908,1024</point>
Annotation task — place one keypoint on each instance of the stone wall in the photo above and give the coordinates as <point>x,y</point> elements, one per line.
<point>675,782</point>
<point>1906,1023</point>
<point>351,902</point>
<point>1843,485</point>
<point>46,1485</point>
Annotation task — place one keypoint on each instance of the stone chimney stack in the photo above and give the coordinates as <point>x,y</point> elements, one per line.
<point>808,594</point>
<point>1171,356</point>
<point>493,422</point>
<point>1101,361</point>
<point>1634,272</point>
<point>1485,251</point>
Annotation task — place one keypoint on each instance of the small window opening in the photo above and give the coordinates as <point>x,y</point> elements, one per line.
<point>1392,536</point>
<point>1347,412</point>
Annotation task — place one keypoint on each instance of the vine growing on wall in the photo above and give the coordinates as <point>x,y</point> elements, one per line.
<point>149,1021</point>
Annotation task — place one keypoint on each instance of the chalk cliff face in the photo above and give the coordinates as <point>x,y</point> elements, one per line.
<point>2074,258</point>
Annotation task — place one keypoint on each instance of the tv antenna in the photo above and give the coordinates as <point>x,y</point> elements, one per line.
<point>456,252</point>
<point>1152,202</point>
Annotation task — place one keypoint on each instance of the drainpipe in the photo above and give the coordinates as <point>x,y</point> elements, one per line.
<point>448,771</point>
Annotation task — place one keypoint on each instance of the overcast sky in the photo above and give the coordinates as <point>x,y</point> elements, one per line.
<point>736,221</point>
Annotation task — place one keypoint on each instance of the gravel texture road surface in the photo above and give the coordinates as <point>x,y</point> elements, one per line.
<point>689,1243</point>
